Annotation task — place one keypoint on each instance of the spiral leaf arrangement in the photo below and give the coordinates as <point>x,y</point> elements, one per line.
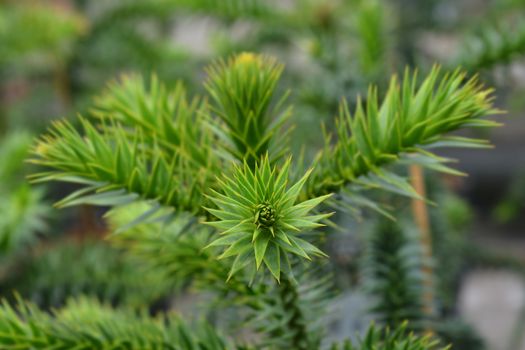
<point>260,217</point>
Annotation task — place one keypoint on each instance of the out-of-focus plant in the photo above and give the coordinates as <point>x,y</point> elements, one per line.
<point>493,45</point>
<point>22,206</point>
<point>89,324</point>
<point>37,34</point>
<point>55,272</point>
<point>392,275</point>
<point>511,205</point>
<point>390,339</point>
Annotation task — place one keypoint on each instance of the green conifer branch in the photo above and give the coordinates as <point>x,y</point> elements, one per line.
<point>149,147</point>
<point>165,117</point>
<point>392,275</point>
<point>412,119</point>
<point>391,339</point>
<point>116,170</point>
<point>87,324</point>
<point>241,91</point>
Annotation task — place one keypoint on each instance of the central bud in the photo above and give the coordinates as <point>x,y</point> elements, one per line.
<point>265,215</point>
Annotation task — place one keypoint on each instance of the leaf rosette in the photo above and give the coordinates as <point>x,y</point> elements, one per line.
<point>260,218</point>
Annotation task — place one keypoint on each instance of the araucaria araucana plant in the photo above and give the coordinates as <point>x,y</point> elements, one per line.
<point>259,217</point>
<point>209,191</point>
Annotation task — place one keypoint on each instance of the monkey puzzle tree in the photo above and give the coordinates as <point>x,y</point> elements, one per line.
<point>248,216</point>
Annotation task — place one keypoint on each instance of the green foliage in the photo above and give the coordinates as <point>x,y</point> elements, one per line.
<point>24,214</point>
<point>88,324</point>
<point>229,9</point>
<point>36,30</point>
<point>126,154</point>
<point>172,247</point>
<point>52,274</point>
<point>371,24</point>
<point>278,313</point>
<point>242,90</point>
<point>23,209</point>
<point>118,41</point>
<point>512,203</point>
<point>493,45</point>
<point>165,164</point>
<point>150,143</point>
<point>164,116</point>
<point>14,149</point>
<point>291,314</point>
<point>260,218</point>
<point>153,152</point>
<point>412,118</point>
<point>387,339</point>
<point>459,334</point>
<point>115,169</point>
<point>392,275</point>
<point>294,331</point>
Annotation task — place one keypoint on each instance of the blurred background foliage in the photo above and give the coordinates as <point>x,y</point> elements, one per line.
<point>55,56</point>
